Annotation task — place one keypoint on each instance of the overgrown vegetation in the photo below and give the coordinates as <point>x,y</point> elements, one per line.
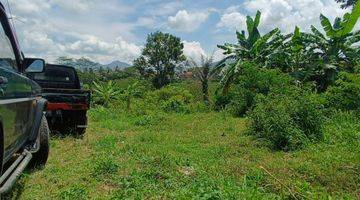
<point>278,118</point>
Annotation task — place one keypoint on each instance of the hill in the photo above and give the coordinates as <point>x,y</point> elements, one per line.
<point>117,64</point>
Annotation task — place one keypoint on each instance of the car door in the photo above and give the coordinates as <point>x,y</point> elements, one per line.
<point>16,102</point>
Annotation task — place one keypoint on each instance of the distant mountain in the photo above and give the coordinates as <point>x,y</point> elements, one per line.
<point>117,64</point>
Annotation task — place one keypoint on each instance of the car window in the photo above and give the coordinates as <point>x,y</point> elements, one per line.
<point>56,74</point>
<point>7,55</point>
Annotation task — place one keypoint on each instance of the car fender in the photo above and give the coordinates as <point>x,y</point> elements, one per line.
<point>39,113</point>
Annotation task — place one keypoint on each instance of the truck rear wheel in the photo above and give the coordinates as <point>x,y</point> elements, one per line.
<point>81,123</point>
<point>40,158</point>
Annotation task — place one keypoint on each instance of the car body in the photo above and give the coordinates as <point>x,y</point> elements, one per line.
<point>21,107</point>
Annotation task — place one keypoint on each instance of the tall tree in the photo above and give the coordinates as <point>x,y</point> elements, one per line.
<point>163,52</point>
<point>346,3</point>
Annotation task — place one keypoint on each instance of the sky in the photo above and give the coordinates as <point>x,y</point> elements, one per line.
<point>110,30</point>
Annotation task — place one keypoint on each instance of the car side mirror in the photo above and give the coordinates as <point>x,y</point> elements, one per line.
<point>34,65</point>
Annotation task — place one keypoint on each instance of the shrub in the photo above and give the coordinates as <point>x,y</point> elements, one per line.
<point>252,81</point>
<point>342,128</point>
<point>105,93</point>
<point>222,100</point>
<point>172,99</point>
<point>345,94</point>
<point>288,122</point>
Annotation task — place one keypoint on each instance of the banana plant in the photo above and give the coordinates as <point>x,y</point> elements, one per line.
<point>129,93</point>
<point>253,48</point>
<point>337,46</point>
<point>105,93</point>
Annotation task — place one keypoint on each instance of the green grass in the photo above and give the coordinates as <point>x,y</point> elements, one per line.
<point>193,156</point>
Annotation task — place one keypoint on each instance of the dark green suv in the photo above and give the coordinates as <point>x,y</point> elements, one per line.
<point>24,133</point>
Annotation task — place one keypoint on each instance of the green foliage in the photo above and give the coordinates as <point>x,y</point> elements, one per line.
<point>104,166</point>
<point>173,99</point>
<point>74,192</point>
<point>337,49</point>
<point>129,93</point>
<point>148,119</point>
<point>345,94</point>
<point>203,74</point>
<point>104,93</point>
<point>255,48</point>
<point>163,52</point>
<point>90,76</point>
<point>343,129</point>
<point>308,57</point>
<point>288,122</point>
<point>252,81</point>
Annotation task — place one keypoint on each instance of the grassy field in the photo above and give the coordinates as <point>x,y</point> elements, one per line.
<point>192,156</point>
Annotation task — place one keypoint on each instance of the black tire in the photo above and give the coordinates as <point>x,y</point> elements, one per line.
<point>81,120</point>
<point>40,158</point>
<point>80,131</point>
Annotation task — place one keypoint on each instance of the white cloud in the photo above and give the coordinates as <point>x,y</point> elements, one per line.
<point>165,9</point>
<point>218,55</point>
<point>102,51</point>
<point>187,22</point>
<point>53,28</point>
<point>74,5</point>
<point>232,20</point>
<point>193,50</point>
<point>30,6</point>
<point>281,13</point>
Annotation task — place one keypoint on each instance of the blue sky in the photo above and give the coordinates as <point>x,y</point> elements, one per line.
<point>116,29</point>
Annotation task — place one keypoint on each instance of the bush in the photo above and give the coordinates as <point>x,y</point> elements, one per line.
<point>172,99</point>
<point>252,81</point>
<point>288,122</point>
<point>345,94</point>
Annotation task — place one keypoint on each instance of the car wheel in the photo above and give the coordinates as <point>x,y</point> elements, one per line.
<point>40,158</point>
<point>81,121</point>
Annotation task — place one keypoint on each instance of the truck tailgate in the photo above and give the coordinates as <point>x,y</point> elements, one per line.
<point>67,98</point>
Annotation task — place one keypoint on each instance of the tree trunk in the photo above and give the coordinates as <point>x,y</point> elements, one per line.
<point>205,90</point>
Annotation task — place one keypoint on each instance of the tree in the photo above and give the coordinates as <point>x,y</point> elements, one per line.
<point>297,56</point>
<point>337,47</point>
<point>140,65</point>
<point>202,71</point>
<point>346,3</point>
<point>163,52</point>
<point>254,48</point>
